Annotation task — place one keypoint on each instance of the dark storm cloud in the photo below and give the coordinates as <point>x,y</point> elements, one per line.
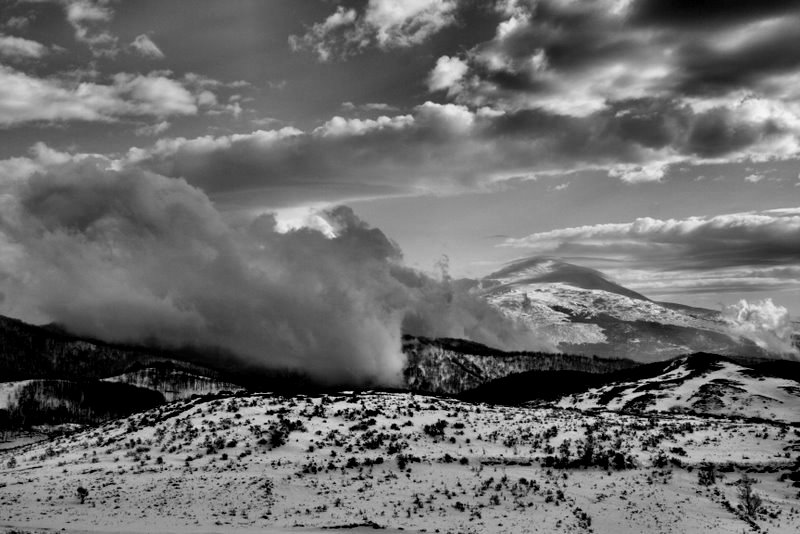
<point>575,40</point>
<point>756,53</point>
<point>705,13</point>
<point>718,132</point>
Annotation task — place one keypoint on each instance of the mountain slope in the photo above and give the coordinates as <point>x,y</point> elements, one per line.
<point>28,351</point>
<point>703,383</point>
<point>580,311</point>
<point>453,366</point>
<point>173,383</point>
<point>49,377</point>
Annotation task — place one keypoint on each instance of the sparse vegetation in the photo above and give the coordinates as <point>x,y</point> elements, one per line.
<point>390,459</point>
<point>749,500</point>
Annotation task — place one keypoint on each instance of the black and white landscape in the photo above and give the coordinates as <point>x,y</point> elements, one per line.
<point>450,266</point>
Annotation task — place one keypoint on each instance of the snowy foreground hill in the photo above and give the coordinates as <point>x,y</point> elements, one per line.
<point>399,461</point>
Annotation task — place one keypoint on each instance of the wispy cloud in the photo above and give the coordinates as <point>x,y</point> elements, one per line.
<point>21,48</point>
<point>88,18</point>
<point>145,46</point>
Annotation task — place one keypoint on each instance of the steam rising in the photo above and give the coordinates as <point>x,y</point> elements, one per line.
<point>130,255</point>
<point>766,323</point>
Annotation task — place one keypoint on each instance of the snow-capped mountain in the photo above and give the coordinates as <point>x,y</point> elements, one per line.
<point>581,311</point>
<point>703,383</point>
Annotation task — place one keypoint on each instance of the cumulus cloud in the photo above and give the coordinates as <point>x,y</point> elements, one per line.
<point>104,252</point>
<point>145,46</point>
<point>25,98</point>
<point>382,23</point>
<point>21,48</point>
<point>447,74</point>
<point>673,90</point>
<point>764,322</point>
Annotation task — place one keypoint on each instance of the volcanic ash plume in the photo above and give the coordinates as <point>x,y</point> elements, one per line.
<point>132,256</point>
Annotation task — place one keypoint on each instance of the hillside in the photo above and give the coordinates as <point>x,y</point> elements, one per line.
<point>59,379</point>
<point>28,351</point>
<point>451,366</point>
<point>264,463</point>
<point>48,377</point>
<point>703,383</point>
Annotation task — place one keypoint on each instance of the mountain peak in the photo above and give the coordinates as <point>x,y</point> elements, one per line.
<point>547,269</point>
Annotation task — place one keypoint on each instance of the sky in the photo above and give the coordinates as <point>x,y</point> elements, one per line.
<point>656,141</point>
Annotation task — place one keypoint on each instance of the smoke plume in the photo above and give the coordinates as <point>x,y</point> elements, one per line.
<point>133,256</point>
<point>766,323</point>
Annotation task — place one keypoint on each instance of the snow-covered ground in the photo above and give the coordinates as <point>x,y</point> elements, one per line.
<point>268,463</point>
<point>555,303</point>
<point>721,387</point>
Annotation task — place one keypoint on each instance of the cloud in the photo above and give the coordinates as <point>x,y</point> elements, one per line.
<point>104,252</point>
<point>672,89</point>
<point>17,22</point>
<point>439,148</point>
<point>447,74</point>
<point>87,18</point>
<point>368,107</point>
<point>390,153</point>
<point>714,13</point>
<point>383,23</point>
<point>764,322</point>
<point>146,47</point>
<point>21,48</point>
<point>435,148</point>
<point>24,98</point>
<point>738,239</point>
<point>153,129</point>
<point>738,252</point>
